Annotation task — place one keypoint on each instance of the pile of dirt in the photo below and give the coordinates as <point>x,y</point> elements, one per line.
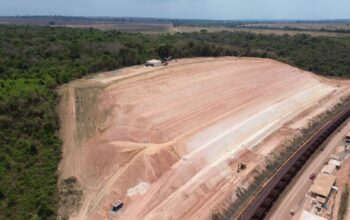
<point>167,140</point>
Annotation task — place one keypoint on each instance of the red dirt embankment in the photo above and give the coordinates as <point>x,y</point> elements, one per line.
<point>166,140</point>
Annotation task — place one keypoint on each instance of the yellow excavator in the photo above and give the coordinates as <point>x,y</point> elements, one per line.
<point>241,166</point>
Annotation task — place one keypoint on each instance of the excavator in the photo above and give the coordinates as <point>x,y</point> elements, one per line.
<point>241,166</point>
<point>165,61</point>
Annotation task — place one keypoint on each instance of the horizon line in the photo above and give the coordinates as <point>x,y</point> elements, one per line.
<point>177,18</point>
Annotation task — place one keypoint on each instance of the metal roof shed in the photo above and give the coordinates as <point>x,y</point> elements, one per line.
<point>335,162</point>
<point>322,185</point>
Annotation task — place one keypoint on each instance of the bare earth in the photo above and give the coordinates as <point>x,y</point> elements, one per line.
<point>167,140</point>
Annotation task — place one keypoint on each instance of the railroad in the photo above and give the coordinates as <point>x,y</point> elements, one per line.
<point>265,198</point>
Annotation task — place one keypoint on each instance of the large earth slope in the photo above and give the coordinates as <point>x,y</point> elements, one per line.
<point>164,140</point>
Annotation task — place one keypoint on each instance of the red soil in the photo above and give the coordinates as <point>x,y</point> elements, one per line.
<point>162,140</point>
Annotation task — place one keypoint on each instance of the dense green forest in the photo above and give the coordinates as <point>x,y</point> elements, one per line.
<point>35,60</point>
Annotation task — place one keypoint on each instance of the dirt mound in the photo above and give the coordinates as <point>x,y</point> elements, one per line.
<point>166,140</point>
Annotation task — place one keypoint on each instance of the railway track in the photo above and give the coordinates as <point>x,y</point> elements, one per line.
<point>259,206</point>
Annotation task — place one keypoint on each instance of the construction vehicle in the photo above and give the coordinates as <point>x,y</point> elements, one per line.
<point>292,212</point>
<point>155,63</point>
<point>241,166</point>
<point>165,61</point>
<point>117,205</point>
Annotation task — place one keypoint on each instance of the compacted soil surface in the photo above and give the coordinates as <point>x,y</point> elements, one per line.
<point>167,140</point>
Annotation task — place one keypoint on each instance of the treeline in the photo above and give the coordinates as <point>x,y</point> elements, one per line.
<point>291,28</point>
<point>35,60</point>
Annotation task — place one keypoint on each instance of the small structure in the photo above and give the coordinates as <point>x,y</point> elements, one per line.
<point>117,205</point>
<point>317,208</point>
<point>335,157</point>
<point>329,169</point>
<point>154,63</point>
<point>305,215</point>
<point>323,185</point>
<point>337,163</point>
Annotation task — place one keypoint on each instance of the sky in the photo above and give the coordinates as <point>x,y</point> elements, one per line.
<point>188,9</point>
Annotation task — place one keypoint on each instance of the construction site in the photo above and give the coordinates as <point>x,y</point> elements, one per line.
<point>175,139</point>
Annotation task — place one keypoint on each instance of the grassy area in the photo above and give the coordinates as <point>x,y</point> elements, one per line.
<point>35,60</point>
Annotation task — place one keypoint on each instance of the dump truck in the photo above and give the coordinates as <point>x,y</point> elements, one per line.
<point>117,205</point>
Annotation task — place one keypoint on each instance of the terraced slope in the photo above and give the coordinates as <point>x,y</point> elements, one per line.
<point>167,140</point>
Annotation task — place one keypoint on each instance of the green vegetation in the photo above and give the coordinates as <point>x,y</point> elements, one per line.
<point>35,60</point>
<point>344,200</point>
<point>289,28</point>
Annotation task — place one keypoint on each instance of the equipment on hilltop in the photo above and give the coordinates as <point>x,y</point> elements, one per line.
<point>154,62</point>
<point>165,61</point>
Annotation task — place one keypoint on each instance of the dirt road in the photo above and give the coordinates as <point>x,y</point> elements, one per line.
<point>294,195</point>
<point>167,140</point>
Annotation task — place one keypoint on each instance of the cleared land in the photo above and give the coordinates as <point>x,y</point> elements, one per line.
<point>158,26</point>
<point>151,27</point>
<point>189,29</point>
<point>167,140</point>
<point>102,24</point>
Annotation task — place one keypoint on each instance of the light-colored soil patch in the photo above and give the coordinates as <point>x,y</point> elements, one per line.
<point>167,140</point>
